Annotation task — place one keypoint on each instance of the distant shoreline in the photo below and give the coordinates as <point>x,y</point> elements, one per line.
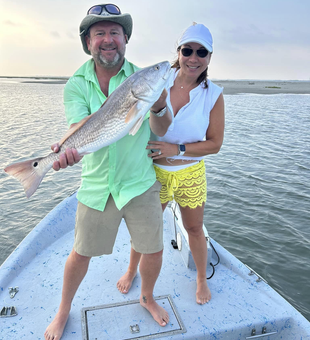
<point>230,86</point>
<point>264,86</point>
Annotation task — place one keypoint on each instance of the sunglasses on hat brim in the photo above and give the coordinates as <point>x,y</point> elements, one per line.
<point>186,52</point>
<point>109,8</point>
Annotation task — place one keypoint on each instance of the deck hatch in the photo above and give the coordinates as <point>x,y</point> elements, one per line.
<point>128,320</point>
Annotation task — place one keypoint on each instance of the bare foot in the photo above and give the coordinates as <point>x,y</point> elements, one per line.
<point>158,313</point>
<point>55,329</point>
<point>125,282</point>
<point>203,294</point>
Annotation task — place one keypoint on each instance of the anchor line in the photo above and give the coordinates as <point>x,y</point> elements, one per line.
<point>175,245</point>
<point>211,264</point>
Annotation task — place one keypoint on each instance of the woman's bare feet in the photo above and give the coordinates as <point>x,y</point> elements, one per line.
<point>158,313</point>
<point>55,329</point>
<point>125,282</point>
<point>203,294</point>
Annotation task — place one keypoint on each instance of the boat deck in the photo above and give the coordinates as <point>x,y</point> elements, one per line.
<point>239,303</point>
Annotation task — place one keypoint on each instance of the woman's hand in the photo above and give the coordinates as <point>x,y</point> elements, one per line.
<point>162,149</point>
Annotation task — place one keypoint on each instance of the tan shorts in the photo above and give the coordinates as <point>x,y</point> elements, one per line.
<point>95,231</point>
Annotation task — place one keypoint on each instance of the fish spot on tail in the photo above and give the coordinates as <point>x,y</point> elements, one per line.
<point>29,177</point>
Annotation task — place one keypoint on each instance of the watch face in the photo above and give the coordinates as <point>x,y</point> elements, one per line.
<point>182,147</point>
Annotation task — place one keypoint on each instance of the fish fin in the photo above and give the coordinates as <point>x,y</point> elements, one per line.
<point>132,113</point>
<point>29,173</point>
<point>136,127</point>
<point>74,128</point>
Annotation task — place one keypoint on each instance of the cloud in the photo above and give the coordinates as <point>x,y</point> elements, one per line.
<point>252,39</point>
<point>10,23</point>
<point>55,34</point>
<point>72,36</point>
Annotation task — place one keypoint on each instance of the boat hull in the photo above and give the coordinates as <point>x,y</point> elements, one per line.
<point>239,303</point>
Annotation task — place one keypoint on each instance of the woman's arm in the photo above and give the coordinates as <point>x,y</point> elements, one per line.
<point>212,144</point>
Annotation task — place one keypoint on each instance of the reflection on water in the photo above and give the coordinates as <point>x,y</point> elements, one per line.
<point>258,185</point>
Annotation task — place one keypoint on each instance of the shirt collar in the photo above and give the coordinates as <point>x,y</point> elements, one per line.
<point>87,70</point>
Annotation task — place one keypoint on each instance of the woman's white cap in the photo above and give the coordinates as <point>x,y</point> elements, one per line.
<point>197,33</point>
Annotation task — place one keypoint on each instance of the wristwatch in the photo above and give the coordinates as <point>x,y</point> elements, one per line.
<point>160,113</point>
<point>182,149</point>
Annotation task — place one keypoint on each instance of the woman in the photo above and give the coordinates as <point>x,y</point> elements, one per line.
<point>197,130</point>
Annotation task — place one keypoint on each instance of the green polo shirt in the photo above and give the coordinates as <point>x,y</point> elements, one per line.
<point>121,169</point>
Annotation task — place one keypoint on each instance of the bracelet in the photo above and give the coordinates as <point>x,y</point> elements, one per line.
<point>160,113</point>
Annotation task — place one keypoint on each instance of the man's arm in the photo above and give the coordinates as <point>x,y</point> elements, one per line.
<point>75,110</point>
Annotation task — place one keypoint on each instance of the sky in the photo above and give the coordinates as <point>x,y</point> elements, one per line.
<point>265,39</point>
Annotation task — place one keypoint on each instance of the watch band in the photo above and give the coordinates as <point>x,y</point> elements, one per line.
<point>160,113</point>
<point>182,149</point>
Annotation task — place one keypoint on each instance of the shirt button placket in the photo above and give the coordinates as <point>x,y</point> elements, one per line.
<point>112,165</point>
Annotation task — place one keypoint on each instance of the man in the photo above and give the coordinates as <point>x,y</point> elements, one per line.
<point>117,181</point>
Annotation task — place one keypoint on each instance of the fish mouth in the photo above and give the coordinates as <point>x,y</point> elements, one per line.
<point>168,71</point>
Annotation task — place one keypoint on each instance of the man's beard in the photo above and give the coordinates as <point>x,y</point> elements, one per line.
<point>100,59</point>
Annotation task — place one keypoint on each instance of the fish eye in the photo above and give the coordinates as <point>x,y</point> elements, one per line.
<point>157,68</point>
<point>35,164</point>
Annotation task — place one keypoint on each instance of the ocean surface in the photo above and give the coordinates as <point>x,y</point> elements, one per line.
<point>258,203</point>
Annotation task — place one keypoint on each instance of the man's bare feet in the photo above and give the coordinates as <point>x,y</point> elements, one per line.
<point>55,329</point>
<point>158,313</point>
<point>125,282</point>
<point>203,294</point>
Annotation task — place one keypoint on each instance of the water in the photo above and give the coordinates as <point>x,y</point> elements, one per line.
<point>258,185</point>
<point>31,120</point>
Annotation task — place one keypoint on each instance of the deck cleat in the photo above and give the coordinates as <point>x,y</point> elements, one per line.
<point>3,312</point>
<point>13,291</point>
<point>8,311</point>
<point>135,329</point>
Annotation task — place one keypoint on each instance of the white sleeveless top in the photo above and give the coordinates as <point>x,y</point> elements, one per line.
<point>192,121</point>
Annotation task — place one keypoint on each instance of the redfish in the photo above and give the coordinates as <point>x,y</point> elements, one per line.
<point>123,112</point>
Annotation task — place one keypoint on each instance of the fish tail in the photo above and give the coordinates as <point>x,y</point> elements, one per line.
<point>30,173</point>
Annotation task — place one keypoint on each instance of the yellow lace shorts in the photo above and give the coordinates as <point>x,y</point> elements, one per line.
<point>188,187</point>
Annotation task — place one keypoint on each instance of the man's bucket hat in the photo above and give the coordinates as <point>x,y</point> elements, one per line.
<point>105,13</point>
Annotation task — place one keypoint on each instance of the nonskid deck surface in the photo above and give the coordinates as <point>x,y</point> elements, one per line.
<point>239,304</point>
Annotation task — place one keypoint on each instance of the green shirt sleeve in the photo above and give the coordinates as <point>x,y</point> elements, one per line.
<point>76,107</point>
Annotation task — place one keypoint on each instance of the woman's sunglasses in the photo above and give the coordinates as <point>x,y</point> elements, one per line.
<point>110,8</point>
<point>186,51</point>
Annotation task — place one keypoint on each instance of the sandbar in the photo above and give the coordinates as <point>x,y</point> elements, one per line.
<point>230,86</point>
<point>263,86</point>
